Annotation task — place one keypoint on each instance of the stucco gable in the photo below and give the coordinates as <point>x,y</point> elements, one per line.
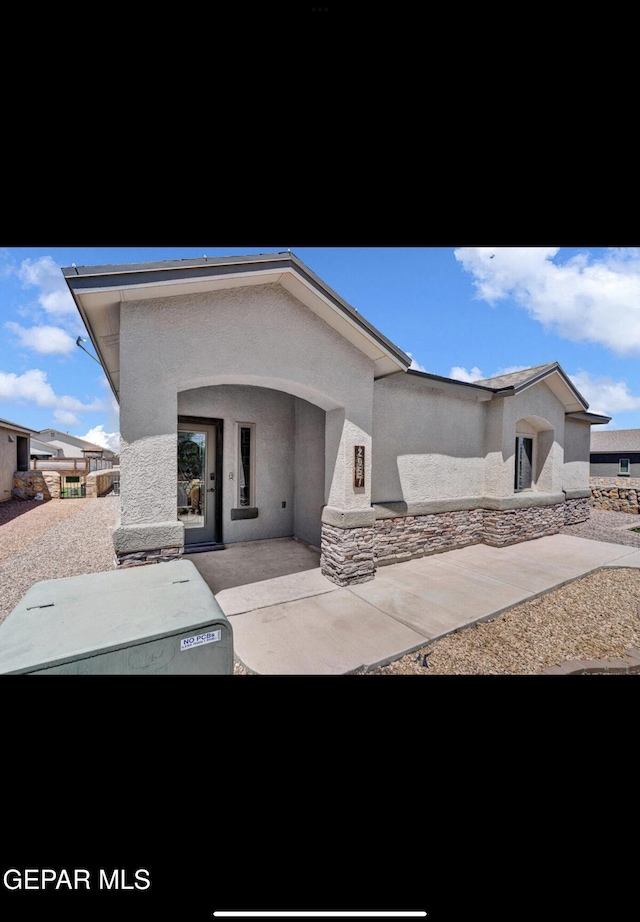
<point>99,292</point>
<point>552,374</point>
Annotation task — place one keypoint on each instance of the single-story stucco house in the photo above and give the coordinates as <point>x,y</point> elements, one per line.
<point>256,403</point>
<point>615,453</point>
<point>14,455</point>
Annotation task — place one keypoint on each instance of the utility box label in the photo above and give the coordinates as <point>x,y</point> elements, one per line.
<point>200,640</point>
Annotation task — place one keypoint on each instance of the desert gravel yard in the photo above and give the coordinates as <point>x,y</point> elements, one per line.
<point>593,618</point>
<point>596,617</point>
<point>52,540</point>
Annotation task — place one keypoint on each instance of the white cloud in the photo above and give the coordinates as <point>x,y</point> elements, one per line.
<point>44,274</point>
<point>461,374</point>
<point>604,395</point>
<point>65,418</point>
<point>415,366</point>
<point>585,299</point>
<point>98,436</point>
<point>33,387</point>
<point>45,340</point>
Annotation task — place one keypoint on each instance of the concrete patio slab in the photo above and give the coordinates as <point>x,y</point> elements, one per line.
<point>438,598</point>
<point>253,561</point>
<point>330,634</point>
<point>631,560</point>
<point>302,624</point>
<point>581,553</point>
<point>534,572</point>
<point>274,592</point>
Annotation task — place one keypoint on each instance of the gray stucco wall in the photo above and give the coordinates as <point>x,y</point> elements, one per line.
<point>538,411</point>
<point>262,337</point>
<point>428,443</point>
<point>435,445</point>
<point>577,440</point>
<point>274,416</point>
<point>309,472</point>
<point>8,462</point>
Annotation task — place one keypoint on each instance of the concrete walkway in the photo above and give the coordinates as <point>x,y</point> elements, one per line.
<point>302,624</point>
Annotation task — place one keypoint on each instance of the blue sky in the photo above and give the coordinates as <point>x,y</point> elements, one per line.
<point>462,312</point>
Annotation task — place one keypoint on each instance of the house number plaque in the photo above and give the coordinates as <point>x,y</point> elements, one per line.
<point>358,475</point>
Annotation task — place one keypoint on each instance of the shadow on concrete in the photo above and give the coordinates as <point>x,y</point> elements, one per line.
<point>253,562</point>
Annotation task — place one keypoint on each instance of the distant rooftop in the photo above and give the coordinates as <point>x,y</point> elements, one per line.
<point>616,440</point>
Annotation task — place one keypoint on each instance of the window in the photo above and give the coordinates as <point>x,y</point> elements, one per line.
<point>623,467</point>
<point>524,463</point>
<point>246,465</point>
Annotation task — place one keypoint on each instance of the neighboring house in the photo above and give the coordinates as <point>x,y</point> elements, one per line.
<point>40,451</point>
<point>615,453</point>
<point>14,455</point>
<point>255,403</point>
<point>69,446</point>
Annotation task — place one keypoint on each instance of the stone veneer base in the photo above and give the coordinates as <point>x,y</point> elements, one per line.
<point>347,556</point>
<point>408,537</point>
<point>145,558</point>
<point>351,556</point>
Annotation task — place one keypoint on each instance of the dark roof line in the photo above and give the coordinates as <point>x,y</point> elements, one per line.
<point>79,278</point>
<point>7,424</point>
<point>432,377</point>
<point>511,389</point>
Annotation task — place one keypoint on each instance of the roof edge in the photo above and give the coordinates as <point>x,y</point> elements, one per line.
<point>432,377</point>
<point>77,276</point>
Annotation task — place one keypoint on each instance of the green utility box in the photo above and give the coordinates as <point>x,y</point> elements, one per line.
<point>154,620</point>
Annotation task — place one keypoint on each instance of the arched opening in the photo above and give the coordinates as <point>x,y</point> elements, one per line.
<point>259,456</point>
<point>534,455</point>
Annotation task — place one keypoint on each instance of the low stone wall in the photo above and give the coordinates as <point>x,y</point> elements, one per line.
<point>99,483</point>
<point>26,484</point>
<point>617,494</point>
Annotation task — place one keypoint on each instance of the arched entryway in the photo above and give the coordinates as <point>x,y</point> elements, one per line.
<point>251,465</point>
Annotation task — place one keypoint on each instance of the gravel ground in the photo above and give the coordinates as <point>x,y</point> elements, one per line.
<point>596,617</point>
<point>52,540</point>
<point>614,527</point>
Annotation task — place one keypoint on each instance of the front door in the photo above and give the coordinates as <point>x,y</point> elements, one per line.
<point>197,482</point>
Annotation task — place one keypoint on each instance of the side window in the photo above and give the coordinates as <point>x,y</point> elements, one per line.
<point>623,467</point>
<point>246,465</point>
<point>524,463</point>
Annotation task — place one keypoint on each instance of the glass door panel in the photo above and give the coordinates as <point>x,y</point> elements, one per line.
<point>196,484</point>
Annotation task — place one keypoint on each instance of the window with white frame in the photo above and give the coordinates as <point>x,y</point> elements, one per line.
<point>623,467</point>
<point>246,465</point>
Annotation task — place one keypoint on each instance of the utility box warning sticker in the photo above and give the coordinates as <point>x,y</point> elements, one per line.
<point>200,640</point>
